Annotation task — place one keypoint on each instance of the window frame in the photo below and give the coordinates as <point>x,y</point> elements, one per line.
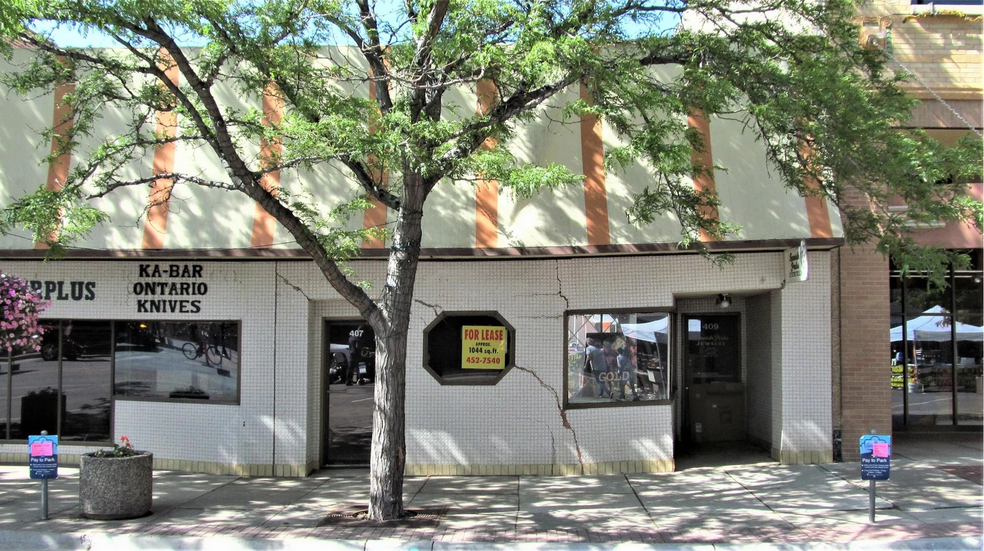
<point>239,366</point>
<point>7,415</point>
<point>668,370</point>
<point>490,377</point>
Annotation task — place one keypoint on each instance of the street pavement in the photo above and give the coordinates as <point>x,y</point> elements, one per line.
<point>721,502</point>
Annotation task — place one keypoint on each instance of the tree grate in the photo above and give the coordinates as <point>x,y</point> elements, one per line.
<point>356,517</point>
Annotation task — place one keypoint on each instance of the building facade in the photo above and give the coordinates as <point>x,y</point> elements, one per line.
<point>940,45</point>
<point>548,335</point>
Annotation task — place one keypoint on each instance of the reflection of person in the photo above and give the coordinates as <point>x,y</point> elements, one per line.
<point>361,353</point>
<point>624,361</point>
<point>642,375</point>
<point>199,336</point>
<point>611,367</point>
<point>594,358</point>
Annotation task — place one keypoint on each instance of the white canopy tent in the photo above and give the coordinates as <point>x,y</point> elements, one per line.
<point>655,331</point>
<point>934,325</point>
<point>651,331</point>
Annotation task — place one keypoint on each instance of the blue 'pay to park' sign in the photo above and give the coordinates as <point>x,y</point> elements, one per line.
<point>876,455</point>
<point>43,456</point>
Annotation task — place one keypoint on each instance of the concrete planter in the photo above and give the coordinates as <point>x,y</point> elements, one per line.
<point>112,488</point>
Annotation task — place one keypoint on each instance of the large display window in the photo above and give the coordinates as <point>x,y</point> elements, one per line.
<point>67,388</point>
<point>177,360</point>
<point>68,394</point>
<point>617,358</point>
<point>936,338</point>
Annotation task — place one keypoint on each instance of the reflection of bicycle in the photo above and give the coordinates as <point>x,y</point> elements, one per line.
<point>195,350</point>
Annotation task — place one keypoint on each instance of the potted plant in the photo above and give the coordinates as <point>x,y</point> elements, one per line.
<point>116,484</point>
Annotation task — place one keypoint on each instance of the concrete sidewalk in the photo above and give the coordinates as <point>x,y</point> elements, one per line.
<point>933,501</point>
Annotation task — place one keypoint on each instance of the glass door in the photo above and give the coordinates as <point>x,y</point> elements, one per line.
<point>714,410</point>
<point>349,376</point>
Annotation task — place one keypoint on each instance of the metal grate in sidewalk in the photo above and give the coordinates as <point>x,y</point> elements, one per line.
<point>356,518</point>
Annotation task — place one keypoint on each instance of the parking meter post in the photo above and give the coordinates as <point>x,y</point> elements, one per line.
<point>871,501</point>
<point>871,496</point>
<point>44,491</point>
<point>44,499</point>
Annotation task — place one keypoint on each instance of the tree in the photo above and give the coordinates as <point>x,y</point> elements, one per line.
<point>794,72</point>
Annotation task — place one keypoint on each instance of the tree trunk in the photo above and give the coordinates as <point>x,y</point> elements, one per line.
<point>388,455</point>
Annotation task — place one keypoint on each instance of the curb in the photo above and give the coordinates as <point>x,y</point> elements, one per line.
<point>83,541</point>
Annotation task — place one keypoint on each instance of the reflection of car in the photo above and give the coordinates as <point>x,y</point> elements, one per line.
<point>350,367</point>
<point>79,339</point>
<point>338,362</point>
<point>49,348</point>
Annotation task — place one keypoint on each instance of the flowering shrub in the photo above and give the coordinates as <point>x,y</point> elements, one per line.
<point>20,306</point>
<point>123,449</point>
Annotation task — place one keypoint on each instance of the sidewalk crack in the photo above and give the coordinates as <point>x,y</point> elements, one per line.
<point>659,531</point>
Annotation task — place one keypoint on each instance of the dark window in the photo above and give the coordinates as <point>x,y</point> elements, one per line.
<point>67,388</point>
<point>85,381</point>
<point>617,358</point>
<point>66,394</point>
<point>468,348</point>
<point>714,348</point>
<point>34,402</point>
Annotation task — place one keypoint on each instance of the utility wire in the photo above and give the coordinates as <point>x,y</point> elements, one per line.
<point>888,51</point>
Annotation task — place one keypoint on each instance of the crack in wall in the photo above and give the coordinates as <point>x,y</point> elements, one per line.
<point>560,408</point>
<point>297,288</point>
<point>437,308</point>
<point>560,286</point>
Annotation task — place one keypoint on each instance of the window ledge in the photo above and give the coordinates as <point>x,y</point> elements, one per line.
<point>602,405</point>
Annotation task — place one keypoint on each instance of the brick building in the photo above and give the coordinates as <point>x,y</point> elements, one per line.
<point>940,45</point>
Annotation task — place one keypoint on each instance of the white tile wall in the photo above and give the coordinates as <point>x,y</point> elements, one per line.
<point>292,371</point>
<point>196,432</point>
<point>775,320</point>
<point>806,372</point>
<point>760,370</point>
<point>282,305</point>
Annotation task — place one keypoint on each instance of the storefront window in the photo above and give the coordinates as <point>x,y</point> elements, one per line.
<point>469,348</point>
<point>67,387</point>
<point>920,296</point>
<point>66,394</point>
<point>936,339</point>
<point>617,358</point>
<point>969,295</point>
<point>86,368</point>
<point>177,360</point>
<point>34,396</point>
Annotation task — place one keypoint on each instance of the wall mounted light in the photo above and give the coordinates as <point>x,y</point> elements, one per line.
<point>723,300</point>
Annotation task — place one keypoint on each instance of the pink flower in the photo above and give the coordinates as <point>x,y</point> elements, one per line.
<point>20,309</point>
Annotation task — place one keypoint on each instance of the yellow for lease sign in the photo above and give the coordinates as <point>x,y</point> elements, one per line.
<point>483,347</point>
